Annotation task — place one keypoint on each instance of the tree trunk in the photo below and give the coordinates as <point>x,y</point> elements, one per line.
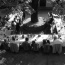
<point>34,16</point>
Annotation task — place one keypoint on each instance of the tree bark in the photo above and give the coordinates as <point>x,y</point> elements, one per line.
<point>34,16</point>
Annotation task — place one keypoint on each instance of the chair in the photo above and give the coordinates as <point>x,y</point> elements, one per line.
<point>44,41</point>
<point>26,45</point>
<point>57,47</point>
<point>14,47</point>
<point>5,45</point>
<point>34,46</point>
<point>47,46</point>
<point>11,47</point>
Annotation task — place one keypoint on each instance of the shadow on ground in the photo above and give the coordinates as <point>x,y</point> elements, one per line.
<point>33,58</point>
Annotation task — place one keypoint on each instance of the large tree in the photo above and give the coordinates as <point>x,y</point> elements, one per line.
<point>34,16</point>
<point>34,5</point>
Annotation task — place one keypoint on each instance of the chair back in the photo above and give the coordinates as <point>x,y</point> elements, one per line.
<point>26,46</point>
<point>44,42</point>
<point>34,46</point>
<point>14,47</point>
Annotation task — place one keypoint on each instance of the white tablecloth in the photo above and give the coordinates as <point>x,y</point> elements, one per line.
<point>38,40</point>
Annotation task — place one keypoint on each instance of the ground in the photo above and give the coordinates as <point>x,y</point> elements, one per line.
<point>31,58</point>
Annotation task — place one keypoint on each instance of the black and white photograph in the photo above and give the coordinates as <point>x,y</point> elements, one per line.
<point>32,32</point>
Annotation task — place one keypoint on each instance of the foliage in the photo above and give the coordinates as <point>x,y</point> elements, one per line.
<point>59,8</point>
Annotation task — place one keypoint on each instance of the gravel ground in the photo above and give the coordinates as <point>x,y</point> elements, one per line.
<point>31,58</point>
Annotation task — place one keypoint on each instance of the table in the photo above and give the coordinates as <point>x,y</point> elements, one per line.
<point>38,40</point>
